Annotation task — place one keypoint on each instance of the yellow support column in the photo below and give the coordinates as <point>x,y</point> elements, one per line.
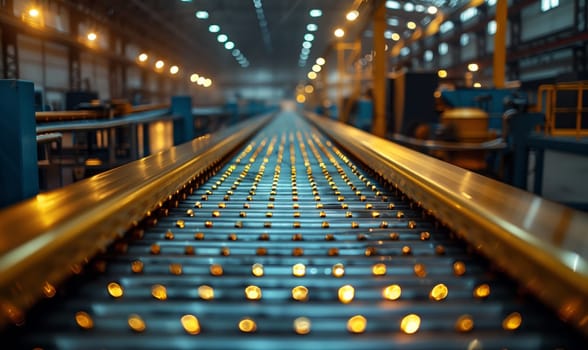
<point>342,116</point>
<point>379,72</point>
<point>500,43</point>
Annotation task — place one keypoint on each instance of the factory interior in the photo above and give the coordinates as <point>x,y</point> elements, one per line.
<point>294,174</point>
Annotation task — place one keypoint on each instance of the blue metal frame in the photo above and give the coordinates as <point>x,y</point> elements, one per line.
<point>19,178</point>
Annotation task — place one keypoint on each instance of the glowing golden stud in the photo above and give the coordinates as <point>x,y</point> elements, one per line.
<point>464,323</point>
<point>247,325</point>
<point>137,266</point>
<point>216,270</point>
<point>410,324</point>
<point>84,320</point>
<point>115,290</point>
<point>136,323</point>
<point>190,324</point>
<point>379,269</point>
<point>512,322</point>
<point>175,269</point>
<point>392,292</point>
<point>357,324</point>
<point>482,291</point>
<point>459,268</point>
<point>439,292</point>
<point>257,270</point>
<point>253,293</point>
<point>346,294</point>
<point>298,270</point>
<point>206,292</point>
<point>302,325</point>
<point>338,270</point>
<point>159,292</point>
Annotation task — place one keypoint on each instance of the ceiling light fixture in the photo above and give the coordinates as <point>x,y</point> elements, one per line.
<point>352,15</point>
<point>315,13</point>
<point>202,14</point>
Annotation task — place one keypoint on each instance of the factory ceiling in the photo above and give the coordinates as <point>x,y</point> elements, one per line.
<point>269,42</point>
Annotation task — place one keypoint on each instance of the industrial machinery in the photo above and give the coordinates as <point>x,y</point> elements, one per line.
<point>286,232</point>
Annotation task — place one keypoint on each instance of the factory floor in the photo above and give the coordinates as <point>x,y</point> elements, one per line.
<point>565,178</point>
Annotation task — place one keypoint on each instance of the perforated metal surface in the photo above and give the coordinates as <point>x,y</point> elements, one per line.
<point>291,245</point>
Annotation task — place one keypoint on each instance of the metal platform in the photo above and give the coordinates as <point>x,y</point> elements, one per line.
<point>287,241</point>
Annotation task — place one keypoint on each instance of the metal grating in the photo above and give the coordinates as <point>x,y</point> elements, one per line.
<point>290,245</point>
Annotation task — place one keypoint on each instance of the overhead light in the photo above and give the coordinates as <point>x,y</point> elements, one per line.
<point>388,34</point>
<point>320,61</point>
<point>311,75</point>
<point>308,37</point>
<point>395,36</point>
<point>311,27</point>
<point>442,73</point>
<point>213,28</point>
<point>201,14</point>
<point>143,57</point>
<point>432,10</point>
<point>393,5</point>
<point>194,77</point>
<point>409,7</point>
<point>410,25</point>
<point>222,38</point>
<point>352,15</point>
<point>92,36</point>
<point>207,83</point>
<point>34,12</point>
<point>236,52</point>
<point>174,69</point>
<point>473,67</point>
<point>229,45</point>
<point>159,64</point>
<point>339,32</point>
<point>392,21</point>
<point>315,13</point>
<point>316,68</point>
<point>307,44</point>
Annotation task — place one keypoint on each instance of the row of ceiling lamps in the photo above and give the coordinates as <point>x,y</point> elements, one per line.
<point>174,70</point>
<point>308,37</point>
<point>223,39</point>
<point>159,65</point>
<point>353,15</point>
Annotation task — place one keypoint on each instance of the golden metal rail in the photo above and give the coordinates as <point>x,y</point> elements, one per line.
<point>540,243</point>
<point>44,239</point>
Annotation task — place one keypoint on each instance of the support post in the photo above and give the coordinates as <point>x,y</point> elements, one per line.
<point>500,43</point>
<point>379,72</point>
<point>19,178</point>
<point>184,126</point>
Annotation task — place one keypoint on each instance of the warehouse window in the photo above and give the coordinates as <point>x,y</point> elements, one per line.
<point>443,48</point>
<point>547,5</point>
<point>468,14</point>
<point>492,27</point>
<point>464,39</point>
<point>428,56</point>
<point>446,26</point>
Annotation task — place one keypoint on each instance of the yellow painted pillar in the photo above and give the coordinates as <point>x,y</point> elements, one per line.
<point>379,72</point>
<point>500,43</point>
<point>343,117</point>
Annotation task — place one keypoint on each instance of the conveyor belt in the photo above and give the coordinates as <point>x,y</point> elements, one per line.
<point>290,245</point>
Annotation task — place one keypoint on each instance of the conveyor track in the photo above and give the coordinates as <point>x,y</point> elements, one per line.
<point>291,245</point>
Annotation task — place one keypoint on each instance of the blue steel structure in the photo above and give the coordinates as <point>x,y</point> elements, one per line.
<point>19,178</point>
<point>183,126</point>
